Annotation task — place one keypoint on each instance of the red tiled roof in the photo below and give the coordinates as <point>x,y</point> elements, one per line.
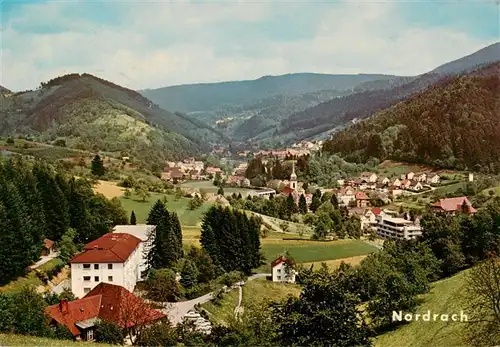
<point>287,191</point>
<point>108,302</point>
<point>376,211</point>
<point>69,313</point>
<point>122,307</point>
<point>362,196</point>
<point>48,243</point>
<point>109,248</point>
<point>277,261</point>
<point>454,204</point>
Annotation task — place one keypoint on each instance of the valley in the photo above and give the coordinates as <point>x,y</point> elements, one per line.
<point>169,196</point>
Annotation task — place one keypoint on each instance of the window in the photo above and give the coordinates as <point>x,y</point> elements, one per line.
<point>86,278</point>
<point>110,266</point>
<point>279,278</point>
<point>90,335</point>
<point>279,271</point>
<point>96,278</point>
<point>96,266</point>
<point>86,290</point>
<point>110,278</point>
<point>86,266</point>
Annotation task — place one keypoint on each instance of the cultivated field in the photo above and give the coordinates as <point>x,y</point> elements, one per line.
<point>446,296</point>
<point>109,189</point>
<point>180,206</point>
<point>314,251</point>
<point>335,263</point>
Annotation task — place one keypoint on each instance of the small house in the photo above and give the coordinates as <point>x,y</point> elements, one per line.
<point>283,270</point>
<point>434,179</point>
<point>362,200</point>
<point>48,247</point>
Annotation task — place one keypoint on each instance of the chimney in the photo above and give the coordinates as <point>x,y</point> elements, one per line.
<point>96,247</point>
<point>63,306</point>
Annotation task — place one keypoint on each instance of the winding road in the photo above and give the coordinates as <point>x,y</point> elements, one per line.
<point>178,310</point>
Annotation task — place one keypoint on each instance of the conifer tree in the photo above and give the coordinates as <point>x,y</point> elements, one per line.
<point>133,220</point>
<point>189,274</point>
<point>207,240</point>
<point>334,201</point>
<point>302,204</point>
<point>290,205</point>
<point>54,202</point>
<point>156,213</point>
<point>177,230</point>
<point>97,166</point>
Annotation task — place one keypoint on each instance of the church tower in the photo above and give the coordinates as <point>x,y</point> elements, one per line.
<point>293,178</point>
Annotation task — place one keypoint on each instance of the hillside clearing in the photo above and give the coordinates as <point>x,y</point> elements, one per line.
<point>445,297</point>
<point>109,189</point>
<point>141,209</point>
<point>209,187</point>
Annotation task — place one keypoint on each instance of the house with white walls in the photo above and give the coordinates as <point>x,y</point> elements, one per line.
<point>282,270</point>
<point>144,232</point>
<point>113,258</point>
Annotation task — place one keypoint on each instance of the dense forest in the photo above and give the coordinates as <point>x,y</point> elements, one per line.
<point>453,124</point>
<point>36,203</point>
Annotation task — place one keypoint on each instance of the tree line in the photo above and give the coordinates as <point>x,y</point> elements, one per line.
<point>454,124</point>
<point>36,202</point>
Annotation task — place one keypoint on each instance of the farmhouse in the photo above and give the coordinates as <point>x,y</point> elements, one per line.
<point>106,302</point>
<point>283,270</point>
<point>434,179</point>
<point>113,258</point>
<point>362,199</point>
<point>346,195</point>
<point>453,205</point>
<point>48,247</point>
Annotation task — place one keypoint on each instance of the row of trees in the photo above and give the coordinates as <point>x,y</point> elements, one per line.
<point>231,239</point>
<point>36,203</point>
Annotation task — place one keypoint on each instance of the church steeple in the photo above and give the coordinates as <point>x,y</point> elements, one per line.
<point>293,178</point>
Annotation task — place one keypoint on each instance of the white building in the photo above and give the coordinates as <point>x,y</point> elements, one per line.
<point>145,233</point>
<point>281,272</point>
<point>397,228</point>
<point>113,258</point>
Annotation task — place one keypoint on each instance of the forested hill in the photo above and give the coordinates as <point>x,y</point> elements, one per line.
<point>375,96</point>
<point>4,90</point>
<point>214,96</point>
<point>455,124</point>
<point>95,114</point>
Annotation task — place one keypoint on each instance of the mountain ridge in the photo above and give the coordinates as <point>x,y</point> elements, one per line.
<point>451,124</point>
<point>339,112</point>
<point>96,114</point>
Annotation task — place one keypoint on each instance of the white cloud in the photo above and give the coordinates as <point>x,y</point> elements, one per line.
<point>158,44</point>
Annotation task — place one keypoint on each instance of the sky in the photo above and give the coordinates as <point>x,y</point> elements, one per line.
<point>151,44</point>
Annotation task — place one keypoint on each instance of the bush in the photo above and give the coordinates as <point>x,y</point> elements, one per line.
<point>109,332</point>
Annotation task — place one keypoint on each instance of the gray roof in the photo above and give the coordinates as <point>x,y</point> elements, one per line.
<point>141,231</point>
<point>88,323</point>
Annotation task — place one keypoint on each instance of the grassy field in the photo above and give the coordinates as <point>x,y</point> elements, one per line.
<point>315,251</point>
<point>186,216</point>
<point>254,292</point>
<point>445,297</point>
<point>209,187</point>
<point>224,311</point>
<point>335,263</point>
<point>22,340</point>
<point>108,189</point>
<point>262,289</point>
<point>496,191</point>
